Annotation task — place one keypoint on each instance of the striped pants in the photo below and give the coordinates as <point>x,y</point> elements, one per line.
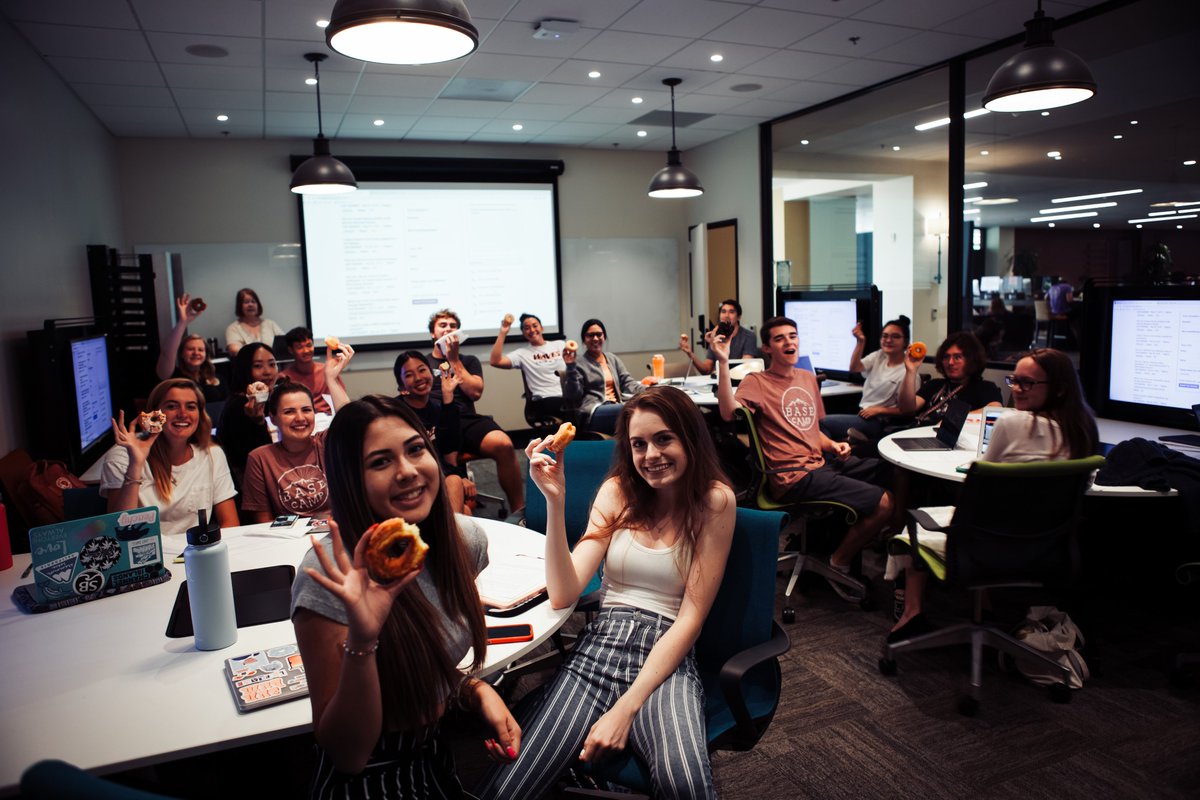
<point>414,765</point>
<point>668,731</point>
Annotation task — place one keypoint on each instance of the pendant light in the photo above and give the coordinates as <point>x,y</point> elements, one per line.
<point>402,31</point>
<point>674,180</point>
<point>321,174</point>
<point>1041,76</point>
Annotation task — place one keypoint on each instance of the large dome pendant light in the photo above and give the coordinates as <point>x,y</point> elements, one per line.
<point>402,31</point>
<point>674,180</point>
<point>1041,76</point>
<point>321,174</point>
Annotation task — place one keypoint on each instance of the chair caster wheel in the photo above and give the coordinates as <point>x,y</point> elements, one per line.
<point>887,666</point>
<point>789,615</point>
<point>968,706</point>
<point>1060,693</point>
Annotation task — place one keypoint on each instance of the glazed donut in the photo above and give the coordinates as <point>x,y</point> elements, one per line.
<point>571,345</point>
<point>444,367</point>
<point>152,421</point>
<point>197,305</point>
<point>332,343</point>
<point>561,438</point>
<point>508,319</point>
<point>395,549</point>
<point>917,350</point>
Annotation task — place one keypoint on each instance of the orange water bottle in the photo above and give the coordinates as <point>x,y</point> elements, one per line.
<point>658,365</point>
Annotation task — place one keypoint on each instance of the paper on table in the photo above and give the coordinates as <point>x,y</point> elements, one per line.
<point>510,580</point>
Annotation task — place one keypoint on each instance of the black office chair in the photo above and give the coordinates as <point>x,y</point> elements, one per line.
<point>541,419</point>
<point>1014,526</point>
<point>807,512</point>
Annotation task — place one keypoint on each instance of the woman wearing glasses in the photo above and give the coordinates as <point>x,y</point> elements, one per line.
<point>596,383</point>
<point>960,360</point>
<point>1052,423</point>
<point>884,372</point>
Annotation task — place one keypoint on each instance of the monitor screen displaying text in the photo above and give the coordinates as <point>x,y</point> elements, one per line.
<point>1154,356</point>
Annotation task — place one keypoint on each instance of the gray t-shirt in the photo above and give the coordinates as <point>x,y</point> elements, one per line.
<point>307,593</point>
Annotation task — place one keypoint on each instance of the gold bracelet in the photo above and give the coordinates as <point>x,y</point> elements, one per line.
<point>132,481</point>
<point>370,651</point>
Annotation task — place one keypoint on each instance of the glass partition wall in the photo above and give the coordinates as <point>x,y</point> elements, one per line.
<point>967,226</point>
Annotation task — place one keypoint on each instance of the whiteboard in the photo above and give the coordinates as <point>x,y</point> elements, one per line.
<point>631,285</point>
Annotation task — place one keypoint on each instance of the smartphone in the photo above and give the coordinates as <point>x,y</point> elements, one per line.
<point>724,329</point>
<point>285,520</point>
<point>503,634</point>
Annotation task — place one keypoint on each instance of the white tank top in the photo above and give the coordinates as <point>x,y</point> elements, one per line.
<point>640,577</point>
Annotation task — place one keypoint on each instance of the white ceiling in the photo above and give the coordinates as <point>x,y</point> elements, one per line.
<point>127,61</point>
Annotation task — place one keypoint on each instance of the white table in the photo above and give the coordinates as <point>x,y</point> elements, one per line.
<point>944,463</point>
<point>700,389</point>
<point>101,686</point>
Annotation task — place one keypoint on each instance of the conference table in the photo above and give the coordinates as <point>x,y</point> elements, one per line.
<point>945,464</point>
<point>101,686</point>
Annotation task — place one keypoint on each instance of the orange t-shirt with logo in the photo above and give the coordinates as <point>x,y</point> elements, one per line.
<point>787,411</point>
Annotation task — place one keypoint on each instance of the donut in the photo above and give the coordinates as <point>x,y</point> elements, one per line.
<point>917,350</point>
<point>561,438</point>
<point>571,345</point>
<point>332,343</point>
<point>508,319</point>
<point>152,421</point>
<point>197,305</point>
<point>683,338</point>
<point>444,367</point>
<point>395,549</point>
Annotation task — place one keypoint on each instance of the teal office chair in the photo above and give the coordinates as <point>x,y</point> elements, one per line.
<point>1014,525</point>
<point>808,511</point>
<point>737,653</point>
<point>58,780</point>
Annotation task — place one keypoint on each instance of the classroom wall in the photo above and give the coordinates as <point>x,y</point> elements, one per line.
<point>59,194</point>
<point>223,191</point>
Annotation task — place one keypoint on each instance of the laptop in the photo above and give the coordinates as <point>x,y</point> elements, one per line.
<point>986,426</point>
<point>85,559</point>
<point>947,432</point>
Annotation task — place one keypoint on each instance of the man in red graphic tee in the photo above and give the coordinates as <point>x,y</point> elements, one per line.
<point>787,408</point>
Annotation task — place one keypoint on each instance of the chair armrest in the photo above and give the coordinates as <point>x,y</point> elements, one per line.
<point>923,519</point>
<point>739,664</point>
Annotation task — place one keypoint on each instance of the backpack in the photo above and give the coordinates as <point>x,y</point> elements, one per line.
<point>42,491</point>
<point>1051,631</point>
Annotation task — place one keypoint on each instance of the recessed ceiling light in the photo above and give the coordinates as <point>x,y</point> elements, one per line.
<point>1179,227</point>
<point>804,141</point>
<point>322,23</point>
<point>1056,217</point>
<point>1139,226</point>
<point>976,185</point>
<point>1095,224</point>
<point>1191,162</point>
<point>1065,209</point>
<point>594,73</point>
<point>1094,196</point>
<point>1058,158</point>
<point>1163,219</point>
<point>222,118</point>
<point>641,133</point>
<point>716,58</point>
<point>311,81</point>
<point>895,148</point>
<point>518,126</point>
<point>1045,113</point>
<point>1054,154</point>
<point>637,100</point>
<point>1118,136</point>
<point>984,152</point>
<point>378,123</point>
<point>1051,224</point>
<point>1133,122</point>
<point>997,201</point>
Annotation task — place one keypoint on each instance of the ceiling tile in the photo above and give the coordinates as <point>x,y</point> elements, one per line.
<point>163,121</point>
<point>295,19</point>
<point>516,68</point>
<point>614,116</point>
<point>590,129</point>
<point>305,103</point>
<point>404,106</point>
<point>766,109</point>
<point>172,48</point>
<point>795,65</point>
<point>530,127</point>
<point>293,80</point>
<point>651,80</point>
<point>394,125</point>
<point>631,48</point>
<point>691,18</point>
<point>80,42</point>
<point>400,86</point>
<point>563,94</point>
<point>227,17</point>
<point>589,13</point>
<point>929,47</point>
<point>192,76</point>
<point>872,37</point>
<point>289,54</point>
<point>768,27</point>
<point>239,122</point>
<point>623,98</point>
<point>430,123</point>
<point>536,111</point>
<point>864,72</point>
<point>926,13</point>
<point>725,86</point>
<point>837,8</point>
<point>93,13</point>
<point>724,122</point>
<point>735,56</point>
<point>100,94</point>
<point>479,109</point>
<point>225,100</point>
<point>575,71</point>
<point>806,93</point>
<point>91,70</point>
<point>516,38</point>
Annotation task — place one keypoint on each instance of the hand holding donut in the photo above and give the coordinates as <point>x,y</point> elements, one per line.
<point>129,437</point>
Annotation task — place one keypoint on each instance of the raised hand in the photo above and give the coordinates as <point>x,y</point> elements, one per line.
<point>128,437</point>
<point>547,473</point>
<point>858,332</point>
<point>684,344</point>
<point>336,362</point>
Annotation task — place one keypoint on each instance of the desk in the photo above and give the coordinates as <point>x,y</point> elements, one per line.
<point>944,463</point>
<point>700,389</point>
<point>99,685</point>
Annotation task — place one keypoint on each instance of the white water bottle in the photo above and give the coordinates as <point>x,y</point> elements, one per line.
<point>210,586</point>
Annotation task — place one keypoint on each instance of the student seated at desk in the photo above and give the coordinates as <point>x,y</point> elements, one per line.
<point>187,356</point>
<point>179,470</point>
<point>662,523</point>
<point>540,363</point>
<point>960,360</point>
<point>742,343</point>
<point>382,658</point>
<point>305,369</point>
<point>414,382</point>
<point>788,409</point>
<point>288,477</point>
<point>884,372</point>
<point>1052,423</point>
<point>597,383</point>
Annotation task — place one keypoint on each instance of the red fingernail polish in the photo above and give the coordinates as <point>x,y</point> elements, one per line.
<point>512,753</point>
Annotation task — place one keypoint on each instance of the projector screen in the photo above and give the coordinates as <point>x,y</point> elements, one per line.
<point>380,260</point>
<point>1155,352</point>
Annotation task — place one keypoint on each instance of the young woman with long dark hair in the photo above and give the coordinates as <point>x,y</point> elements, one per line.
<point>662,523</point>
<point>382,658</point>
<point>183,356</point>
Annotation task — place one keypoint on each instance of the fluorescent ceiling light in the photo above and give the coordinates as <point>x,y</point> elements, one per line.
<point>971,200</point>
<point>997,201</point>
<point>1175,203</point>
<point>1094,196</point>
<point>937,123</point>
<point>972,211</point>
<point>1065,209</point>
<point>1164,219</point>
<point>1057,217</point>
<point>977,185</point>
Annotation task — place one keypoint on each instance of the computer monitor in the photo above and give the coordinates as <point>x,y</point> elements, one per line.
<point>825,319</point>
<point>1140,359</point>
<point>93,390</point>
<point>989,284</point>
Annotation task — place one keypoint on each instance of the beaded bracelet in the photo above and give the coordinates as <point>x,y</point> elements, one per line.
<point>370,651</point>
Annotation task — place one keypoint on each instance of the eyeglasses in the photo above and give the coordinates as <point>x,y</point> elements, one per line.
<point>594,335</point>
<point>954,357</point>
<point>891,336</point>
<point>1024,384</point>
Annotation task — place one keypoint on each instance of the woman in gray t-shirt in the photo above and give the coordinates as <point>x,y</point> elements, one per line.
<point>382,658</point>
